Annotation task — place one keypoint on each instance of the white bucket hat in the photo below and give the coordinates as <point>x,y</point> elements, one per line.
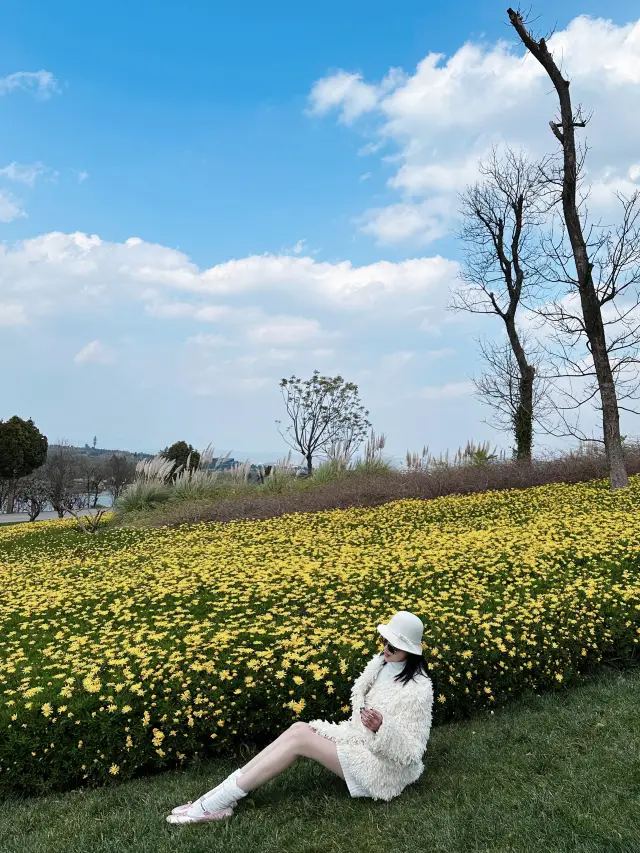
<point>404,631</point>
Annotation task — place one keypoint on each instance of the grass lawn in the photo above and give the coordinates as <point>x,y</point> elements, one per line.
<point>559,772</point>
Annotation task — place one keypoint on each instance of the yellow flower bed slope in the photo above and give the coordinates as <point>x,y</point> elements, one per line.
<point>135,649</point>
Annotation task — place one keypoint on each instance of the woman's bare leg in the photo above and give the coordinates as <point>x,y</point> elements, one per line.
<point>275,744</point>
<point>300,741</point>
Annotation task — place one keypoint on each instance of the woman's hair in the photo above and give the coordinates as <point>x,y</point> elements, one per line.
<point>413,665</point>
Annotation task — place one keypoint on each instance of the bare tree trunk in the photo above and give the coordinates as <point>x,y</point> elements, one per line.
<point>524,417</point>
<point>591,310</point>
<point>523,420</point>
<point>309,464</point>
<point>11,496</point>
<point>500,233</point>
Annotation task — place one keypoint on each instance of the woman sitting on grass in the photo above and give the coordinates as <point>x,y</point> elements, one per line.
<point>378,751</point>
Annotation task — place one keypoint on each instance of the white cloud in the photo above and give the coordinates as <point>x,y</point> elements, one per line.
<point>448,391</point>
<point>436,354</point>
<point>604,193</point>
<point>68,266</point>
<point>208,341</point>
<point>26,173</point>
<point>254,383</point>
<point>344,91</point>
<point>223,378</point>
<point>396,360</point>
<point>40,83</point>
<point>9,208</point>
<point>12,314</point>
<point>166,310</point>
<point>444,177</point>
<point>95,352</point>
<point>284,330</point>
<point>371,148</point>
<point>233,327</point>
<point>447,114</point>
<point>417,223</point>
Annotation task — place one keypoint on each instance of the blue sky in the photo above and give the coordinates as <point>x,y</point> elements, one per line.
<point>201,132</point>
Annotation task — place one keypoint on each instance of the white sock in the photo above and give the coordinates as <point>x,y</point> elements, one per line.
<point>225,795</point>
<point>233,775</point>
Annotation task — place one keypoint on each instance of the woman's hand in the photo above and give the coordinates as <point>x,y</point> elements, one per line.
<point>371,719</point>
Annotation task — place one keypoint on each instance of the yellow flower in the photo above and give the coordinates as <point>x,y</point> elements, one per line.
<point>180,624</point>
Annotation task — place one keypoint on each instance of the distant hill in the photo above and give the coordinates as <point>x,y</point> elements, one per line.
<point>95,452</point>
<point>255,458</point>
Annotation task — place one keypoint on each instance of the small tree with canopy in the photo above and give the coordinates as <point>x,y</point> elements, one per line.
<point>323,411</point>
<point>23,448</point>
<point>183,455</point>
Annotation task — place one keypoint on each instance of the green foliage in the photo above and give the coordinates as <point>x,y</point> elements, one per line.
<point>541,760</point>
<point>198,488</point>
<point>141,496</point>
<point>323,411</point>
<point>183,455</point>
<point>280,480</point>
<point>478,455</point>
<point>23,448</point>
<point>327,472</point>
<point>372,466</point>
<point>541,580</point>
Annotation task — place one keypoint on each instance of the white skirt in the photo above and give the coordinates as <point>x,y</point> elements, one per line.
<point>355,788</point>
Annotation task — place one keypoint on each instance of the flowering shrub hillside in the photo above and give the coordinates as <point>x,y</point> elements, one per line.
<point>139,649</point>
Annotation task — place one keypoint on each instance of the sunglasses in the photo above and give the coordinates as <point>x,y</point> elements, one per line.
<point>392,649</point>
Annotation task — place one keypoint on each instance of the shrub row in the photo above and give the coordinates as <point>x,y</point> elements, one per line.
<point>135,650</point>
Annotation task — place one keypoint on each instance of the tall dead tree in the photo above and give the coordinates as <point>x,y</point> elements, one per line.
<point>591,303</point>
<point>615,258</point>
<point>500,388</point>
<point>501,216</point>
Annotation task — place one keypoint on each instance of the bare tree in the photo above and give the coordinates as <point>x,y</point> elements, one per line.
<point>500,388</point>
<point>92,470</point>
<point>5,489</point>
<point>618,276</point>
<point>615,258</point>
<point>119,471</point>
<point>323,411</point>
<point>60,471</point>
<point>32,493</point>
<point>501,244</point>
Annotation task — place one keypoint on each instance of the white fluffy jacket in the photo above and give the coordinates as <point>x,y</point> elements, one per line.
<point>386,761</point>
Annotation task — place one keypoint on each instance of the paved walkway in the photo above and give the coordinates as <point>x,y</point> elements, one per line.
<point>14,517</point>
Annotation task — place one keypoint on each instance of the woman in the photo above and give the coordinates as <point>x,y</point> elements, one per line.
<point>377,751</point>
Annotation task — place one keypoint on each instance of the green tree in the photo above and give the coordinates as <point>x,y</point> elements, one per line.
<point>323,411</point>
<point>23,448</point>
<point>182,455</point>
